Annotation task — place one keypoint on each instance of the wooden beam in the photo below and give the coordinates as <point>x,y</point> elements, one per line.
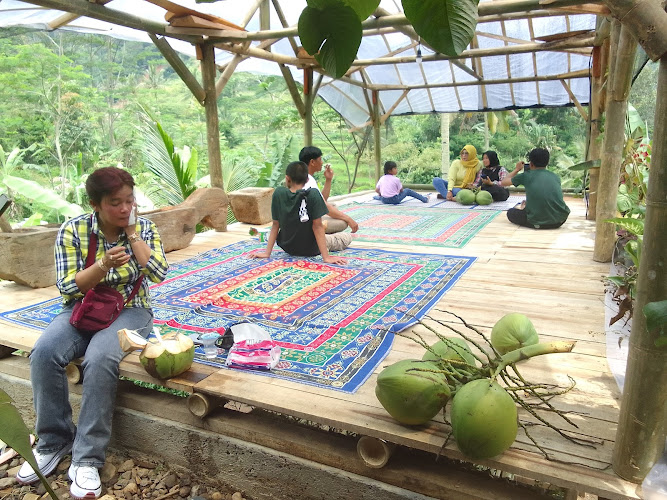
<point>251,51</point>
<point>385,116</point>
<point>179,67</point>
<point>283,21</point>
<point>68,18</point>
<point>473,53</point>
<point>376,134</point>
<point>179,11</point>
<point>308,106</point>
<point>646,21</point>
<point>251,12</point>
<point>211,107</point>
<point>293,90</point>
<point>227,74</point>
<point>574,99</point>
<point>92,10</point>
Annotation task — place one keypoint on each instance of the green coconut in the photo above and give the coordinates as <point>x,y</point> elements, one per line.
<point>484,419</point>
<point>411,396</point>
<point>165,358</point>
<point>454,348</point>
<point>465,197</point>
<point>513,331</point>
<point>483,198</point>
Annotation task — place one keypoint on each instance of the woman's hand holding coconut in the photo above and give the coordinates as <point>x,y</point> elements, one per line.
<point>124,252</point>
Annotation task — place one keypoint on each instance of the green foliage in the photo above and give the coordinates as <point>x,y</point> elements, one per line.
<point>331,33</point>
<point>656,318</point>
<point>448,27</point>
<point>14,432</point>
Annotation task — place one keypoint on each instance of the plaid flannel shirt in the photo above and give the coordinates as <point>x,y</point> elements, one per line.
<point>71,251</point>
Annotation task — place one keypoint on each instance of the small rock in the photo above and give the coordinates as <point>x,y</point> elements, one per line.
<point>237,496</point>
<point>216,495</point>
<point>131,488</point>
<point>107,497</point>
<point>7,482</point>
<point>64,465</point>
<point>146,464</point>
<point>126,466</point>
<point>13,471</point>
<point>30,496</point>
<point>107,472</point>
<point>184,491</point>
<point>170,481</point>
<point>41,489</point>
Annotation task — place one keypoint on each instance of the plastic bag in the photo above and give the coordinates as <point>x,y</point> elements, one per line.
<point>253,348</point>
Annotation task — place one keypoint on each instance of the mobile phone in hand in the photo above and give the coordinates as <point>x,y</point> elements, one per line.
<point>133,216</point>
<point>526,167</point>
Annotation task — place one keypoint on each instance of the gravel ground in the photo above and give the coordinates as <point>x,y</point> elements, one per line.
<point>130,478</point>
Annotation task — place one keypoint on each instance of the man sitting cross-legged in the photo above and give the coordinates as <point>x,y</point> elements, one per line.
<point>336,220</point>
<point>297,220</point>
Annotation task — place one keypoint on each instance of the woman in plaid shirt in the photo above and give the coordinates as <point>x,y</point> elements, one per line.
<point>125,251</point>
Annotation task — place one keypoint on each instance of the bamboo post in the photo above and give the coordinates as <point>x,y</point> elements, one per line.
<point>308,106</point>
<point>208,71</point>
<point>595,114</point>
<point>376,135</point>
<point>640,436</point>
<point>612,157</point>
<point>444,139</point>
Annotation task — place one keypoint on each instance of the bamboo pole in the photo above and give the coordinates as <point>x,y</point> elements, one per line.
<point>595,115</point>
<point>376,134</point>
<point>612,157</point>
<point>640,436</point>
<point>227,74</point>
<point>211,107</point>
<point>308,107</point>
<point>444,139</point>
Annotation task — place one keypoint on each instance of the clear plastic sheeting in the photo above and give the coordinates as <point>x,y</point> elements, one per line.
<point>442,85</point>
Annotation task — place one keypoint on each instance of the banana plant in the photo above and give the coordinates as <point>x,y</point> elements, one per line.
<point>16,435</point>
<point>13,162</point>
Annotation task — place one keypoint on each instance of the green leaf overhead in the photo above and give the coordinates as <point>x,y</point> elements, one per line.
<point>332,35</point>
<point>446,25</point>
<point>363,8</point>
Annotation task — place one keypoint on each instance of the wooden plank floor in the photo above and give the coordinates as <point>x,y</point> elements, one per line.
<point>548,275</point>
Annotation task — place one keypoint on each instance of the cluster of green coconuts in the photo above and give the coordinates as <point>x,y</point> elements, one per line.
<point>483,415</point>
<point>470,197</point>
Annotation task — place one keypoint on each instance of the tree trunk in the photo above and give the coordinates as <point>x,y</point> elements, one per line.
<point>646,21</point>
<point>376,135</point>
<point>612,157</point>
<point>444,135</point>
<point>640,437</point>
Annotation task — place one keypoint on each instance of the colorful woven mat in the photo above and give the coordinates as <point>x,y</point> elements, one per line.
<point>333,323</point>
<point>417,226</point>
<point>435,202</point>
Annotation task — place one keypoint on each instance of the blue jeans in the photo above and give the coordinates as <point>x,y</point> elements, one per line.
<point>440,186</point>
<point>396,199</point>
<point>59,344</point>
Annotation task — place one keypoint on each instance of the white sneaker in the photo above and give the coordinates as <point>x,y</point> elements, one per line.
<point>46,462</point>
<point>85,481</point>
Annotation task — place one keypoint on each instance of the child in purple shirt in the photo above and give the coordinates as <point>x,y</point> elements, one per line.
<point>390,189</point>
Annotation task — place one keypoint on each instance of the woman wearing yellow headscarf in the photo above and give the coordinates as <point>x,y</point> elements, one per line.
<point>462,174</point>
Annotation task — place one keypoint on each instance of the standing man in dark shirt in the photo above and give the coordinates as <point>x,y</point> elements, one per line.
<point>544,207</point>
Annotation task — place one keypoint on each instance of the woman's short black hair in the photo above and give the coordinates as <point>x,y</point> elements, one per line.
<point>106,181</point>
<point>388,165</point>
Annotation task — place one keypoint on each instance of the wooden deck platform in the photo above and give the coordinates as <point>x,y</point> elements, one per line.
<point>548,275</point>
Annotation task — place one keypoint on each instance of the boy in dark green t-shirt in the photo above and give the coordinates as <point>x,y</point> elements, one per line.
<point>297,220</point>
<point>544,207</point>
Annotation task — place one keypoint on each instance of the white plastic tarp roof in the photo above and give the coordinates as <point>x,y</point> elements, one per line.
<point>348,99</point>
